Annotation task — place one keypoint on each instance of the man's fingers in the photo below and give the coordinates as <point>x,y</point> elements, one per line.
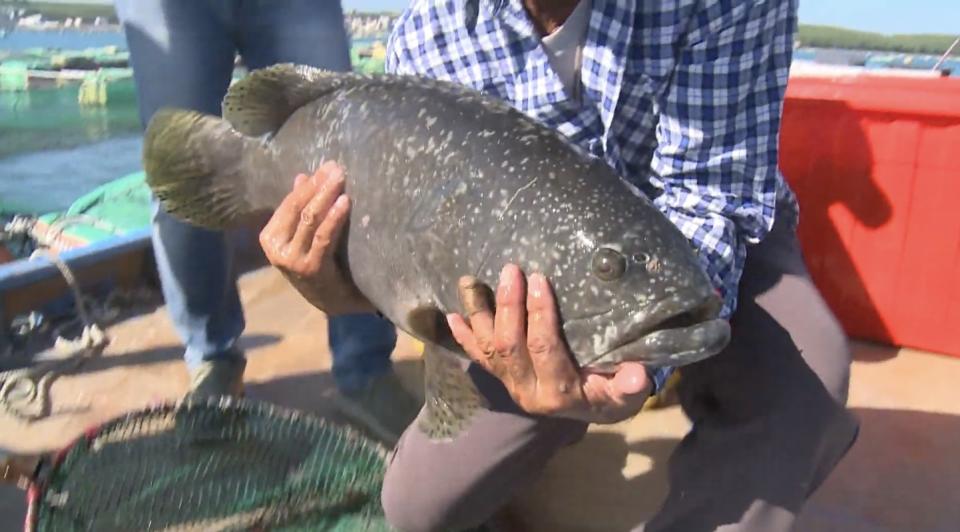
<point>464,336</point>
<point>277,216</point>
<point>475,298</point>
<point>621,393</point>
<point>285,219</point>
<point>510,324</point>
<point>316,211</point>
<point>325,170</point>
<point>631,379</point>
<point>544,339</point>
<point>326,237</point>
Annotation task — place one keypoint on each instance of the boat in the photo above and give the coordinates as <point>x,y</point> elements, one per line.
<point>99,245</point>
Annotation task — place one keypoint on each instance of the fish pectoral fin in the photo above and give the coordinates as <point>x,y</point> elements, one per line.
<point>261,102</point>
<point>452,398</point>
<point>429,324</point>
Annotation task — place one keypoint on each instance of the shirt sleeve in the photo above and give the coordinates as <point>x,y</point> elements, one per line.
<point>392,62</point>
<point>718,132</point>
<point>398,60</point>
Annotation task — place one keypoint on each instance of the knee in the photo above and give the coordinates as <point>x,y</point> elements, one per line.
<point>835,370</point>
<point>408,515</point>
<point>827,420</point>
<point>413,503</point>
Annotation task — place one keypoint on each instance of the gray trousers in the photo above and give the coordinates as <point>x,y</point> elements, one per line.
<point>768,413</point>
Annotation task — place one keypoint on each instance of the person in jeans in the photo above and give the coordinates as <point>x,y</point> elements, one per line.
<point>182,53</point>
<point>684,99</point>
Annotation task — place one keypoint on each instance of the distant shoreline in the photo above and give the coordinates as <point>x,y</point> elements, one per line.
<point>85,28</point>
<point>812,36</point>
<point>117,28</point>
<point>54,17</point>
<point>808,35</point>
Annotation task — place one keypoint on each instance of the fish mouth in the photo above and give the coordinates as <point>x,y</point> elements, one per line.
<point>672,335</point>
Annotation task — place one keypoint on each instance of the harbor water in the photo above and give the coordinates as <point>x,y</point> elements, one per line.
<point>53,149</point>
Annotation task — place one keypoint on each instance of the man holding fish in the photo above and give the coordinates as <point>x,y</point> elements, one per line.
<point>682,98</point>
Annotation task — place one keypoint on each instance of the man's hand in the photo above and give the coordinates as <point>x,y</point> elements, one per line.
<point>302,236</point>
<point>522,345</point>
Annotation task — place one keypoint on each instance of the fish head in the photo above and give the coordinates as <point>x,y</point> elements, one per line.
<point>630,287</point>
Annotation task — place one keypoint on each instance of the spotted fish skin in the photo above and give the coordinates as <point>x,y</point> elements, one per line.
<point>451,397</point>
<point>444,182</point>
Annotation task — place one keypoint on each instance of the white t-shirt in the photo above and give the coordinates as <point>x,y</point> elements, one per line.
<point>564,46</point>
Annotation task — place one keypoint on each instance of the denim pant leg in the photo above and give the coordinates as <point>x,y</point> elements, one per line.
<point>304,32</point>
<point>312,33</point>
<point>182,55</point>
<point>361,346</point>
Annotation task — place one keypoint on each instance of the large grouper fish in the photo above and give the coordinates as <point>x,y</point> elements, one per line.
<point>446,182</point>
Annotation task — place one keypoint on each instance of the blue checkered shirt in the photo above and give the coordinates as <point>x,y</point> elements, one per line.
<point>681,97</point>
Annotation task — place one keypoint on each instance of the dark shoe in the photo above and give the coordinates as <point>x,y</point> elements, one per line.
<point>384,407</point>
<point>216,378</point>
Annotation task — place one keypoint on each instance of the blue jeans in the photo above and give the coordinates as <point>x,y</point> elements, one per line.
<point>182,53</point>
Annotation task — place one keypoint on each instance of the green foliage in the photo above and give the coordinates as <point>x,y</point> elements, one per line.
<point>833,37</point>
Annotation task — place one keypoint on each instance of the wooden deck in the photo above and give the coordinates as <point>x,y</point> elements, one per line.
<point>902,475</point>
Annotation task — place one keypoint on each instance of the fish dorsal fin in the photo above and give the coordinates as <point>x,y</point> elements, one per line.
<point>261,102</point>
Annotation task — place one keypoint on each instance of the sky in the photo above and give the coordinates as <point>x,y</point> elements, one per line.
<point>884,16</point>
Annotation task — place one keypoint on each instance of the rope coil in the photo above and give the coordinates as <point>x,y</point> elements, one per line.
<point>25,393</point>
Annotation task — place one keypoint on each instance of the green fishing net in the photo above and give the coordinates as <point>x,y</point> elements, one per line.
<point>216,466</point>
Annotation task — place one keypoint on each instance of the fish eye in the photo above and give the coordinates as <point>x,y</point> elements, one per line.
<point>609,264</point>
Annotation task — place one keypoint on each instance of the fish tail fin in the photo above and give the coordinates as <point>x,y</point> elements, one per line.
<point>200,168</point>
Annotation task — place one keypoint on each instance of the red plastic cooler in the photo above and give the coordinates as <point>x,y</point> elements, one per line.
<point>875,163</point>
